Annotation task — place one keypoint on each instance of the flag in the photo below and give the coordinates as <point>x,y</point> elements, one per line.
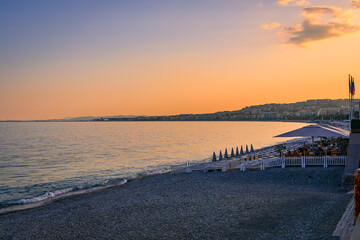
<point>352,89</point>
<point>349,84</point>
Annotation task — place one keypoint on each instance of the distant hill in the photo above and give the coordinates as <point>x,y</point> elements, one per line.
<point>316,109</point>
<point>88,118</point>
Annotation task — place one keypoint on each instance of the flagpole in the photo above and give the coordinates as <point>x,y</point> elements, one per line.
<point>352,97</point>
<point>349,99</point>
<point>351,111</point>
<point>350,107</point>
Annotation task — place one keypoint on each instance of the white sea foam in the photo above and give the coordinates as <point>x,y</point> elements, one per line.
<point>83,189</point>
<point>44,196</point>
<point>54,196</point>
<point>157,172</point>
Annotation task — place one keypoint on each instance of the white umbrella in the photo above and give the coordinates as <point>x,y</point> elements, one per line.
<point>316,131</point>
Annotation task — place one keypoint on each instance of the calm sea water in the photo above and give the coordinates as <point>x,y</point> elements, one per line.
<point>41,160</point>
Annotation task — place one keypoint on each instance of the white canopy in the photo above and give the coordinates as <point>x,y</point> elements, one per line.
<point>316,131</point>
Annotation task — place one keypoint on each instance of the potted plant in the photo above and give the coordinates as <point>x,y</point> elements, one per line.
<point>279,149</point>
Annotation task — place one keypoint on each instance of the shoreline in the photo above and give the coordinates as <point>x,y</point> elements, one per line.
<point>217,205</point>
<point>74,193</point>
<point>126,120</point>
<point>23,206</point>
<point>16,206</point>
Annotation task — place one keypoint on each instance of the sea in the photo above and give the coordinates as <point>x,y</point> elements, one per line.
<point>44,160</point>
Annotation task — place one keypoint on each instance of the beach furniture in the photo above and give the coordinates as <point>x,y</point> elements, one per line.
<point>234,164</point>
<point>247,149</point>
<point>220,156</point>
<point>237,151</point>
<point>232,153</point>
<point>215,166</point>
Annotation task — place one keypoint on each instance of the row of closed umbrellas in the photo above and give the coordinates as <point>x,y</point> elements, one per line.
<point>234,154</point>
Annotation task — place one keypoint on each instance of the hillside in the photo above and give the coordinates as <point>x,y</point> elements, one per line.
<point>317,109</point>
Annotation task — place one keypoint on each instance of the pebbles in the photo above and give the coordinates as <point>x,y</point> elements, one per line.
<point>291,203</point>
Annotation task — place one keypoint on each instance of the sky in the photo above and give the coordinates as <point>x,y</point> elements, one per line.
<point>73,58</point>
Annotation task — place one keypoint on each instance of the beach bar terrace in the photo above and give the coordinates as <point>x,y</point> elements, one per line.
<point>299,153</point>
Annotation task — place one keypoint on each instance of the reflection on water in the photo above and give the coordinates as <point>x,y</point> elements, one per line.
<point>36,158</point>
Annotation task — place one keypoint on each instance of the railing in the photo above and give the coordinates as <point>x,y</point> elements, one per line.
<point>189,167</point>
<point>261,164</point>
<point>293,161</point>
<point>179,168</point>
<point>315,161</point>
<point>337,161</point>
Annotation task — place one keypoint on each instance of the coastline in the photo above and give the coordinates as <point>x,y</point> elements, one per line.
<point>21,207</point>
<point>127,120</point>
<point>73,193</point>
<point>38,201</point>
<point>274,204</point>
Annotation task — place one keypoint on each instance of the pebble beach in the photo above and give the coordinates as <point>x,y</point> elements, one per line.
<point>291,203</point>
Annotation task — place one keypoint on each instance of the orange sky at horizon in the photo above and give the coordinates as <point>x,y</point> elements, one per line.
<point>227,71</point>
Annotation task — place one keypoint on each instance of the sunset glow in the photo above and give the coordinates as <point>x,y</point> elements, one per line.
<point>94,58</point>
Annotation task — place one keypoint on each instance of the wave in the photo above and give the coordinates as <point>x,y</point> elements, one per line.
<point>56,195</point>
<point>50,197</point>
<point>43,197</point>
<point>153,172</point>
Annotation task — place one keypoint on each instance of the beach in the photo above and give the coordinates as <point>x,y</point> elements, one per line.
<point>291,203</point>
<point>50,159</point>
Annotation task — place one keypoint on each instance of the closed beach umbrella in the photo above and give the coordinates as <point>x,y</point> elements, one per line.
<point>220,156</point>
<point>252,149</point>
<point>237,151</point>
<point>226,154</point>
<point>214,157</point>
<point>232,152</point>
<point>247,149</point>
<point>241,151</point>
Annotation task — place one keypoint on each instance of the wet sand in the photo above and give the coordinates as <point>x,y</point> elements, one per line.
<point>291,203</point>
